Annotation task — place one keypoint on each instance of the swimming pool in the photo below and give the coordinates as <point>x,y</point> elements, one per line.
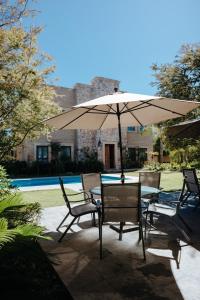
<point>42,181</point>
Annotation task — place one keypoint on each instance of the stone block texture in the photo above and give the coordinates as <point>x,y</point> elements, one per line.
<point>79,139</point>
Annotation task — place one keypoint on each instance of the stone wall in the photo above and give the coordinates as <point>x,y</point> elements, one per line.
<point>79,139</point>
<point>99,86</point>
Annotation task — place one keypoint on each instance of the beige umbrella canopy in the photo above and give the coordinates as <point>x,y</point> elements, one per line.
<point>121,110</point>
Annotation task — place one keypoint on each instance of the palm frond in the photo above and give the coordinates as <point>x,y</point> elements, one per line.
<point>12,200</point>
<point>6,235</point>
<point>31,230</point>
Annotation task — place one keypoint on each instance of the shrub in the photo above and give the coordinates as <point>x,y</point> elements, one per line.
<point>16,217</point>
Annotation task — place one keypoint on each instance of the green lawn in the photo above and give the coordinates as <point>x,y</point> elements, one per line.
<point>47,198</point>
<point>169,180</point>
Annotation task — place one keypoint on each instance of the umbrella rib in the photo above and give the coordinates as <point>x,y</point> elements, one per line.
<point>125,105</point>
<point>137,107</point>
<point>63,113</point>
<point>76,117</point>
<point>95,110</point>
<point>105,118</point>
<point>133,115</point>
<point>172,111</point>
<point>114,111</point>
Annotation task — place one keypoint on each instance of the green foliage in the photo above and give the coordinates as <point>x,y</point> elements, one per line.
<point>88,161</point>
<point>25,98</point>
<point>17,218</point>
<point>181,79</point>
<point>18,212</point>
<point>173,166</point>
<point>4,183</point>
<point>5,234</point>
<point>188,156</point>
<point>10,201</point>
<point>156,145</point>
<point>30,231</point>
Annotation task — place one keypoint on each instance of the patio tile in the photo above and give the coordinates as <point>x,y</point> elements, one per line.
<point>170,272</point>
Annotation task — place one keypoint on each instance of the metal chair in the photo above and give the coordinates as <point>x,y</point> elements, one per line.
<point>191,187</point>
<point>172,211</point>
<point>90,181</point>
<point>121,203</point>
<point>76,211</point>
<point>152,179</point>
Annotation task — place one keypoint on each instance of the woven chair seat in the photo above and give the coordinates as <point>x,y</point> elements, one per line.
<point>83,209</point>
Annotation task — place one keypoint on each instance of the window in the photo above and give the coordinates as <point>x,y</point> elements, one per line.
<point>65,152</point>
<point>42,153</point>
<point>131,128</point>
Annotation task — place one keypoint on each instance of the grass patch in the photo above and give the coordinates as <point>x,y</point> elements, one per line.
<point>170,180</point>
<point>48,198</point>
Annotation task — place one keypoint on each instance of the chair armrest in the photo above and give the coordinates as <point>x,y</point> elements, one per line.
<point>84,195</point>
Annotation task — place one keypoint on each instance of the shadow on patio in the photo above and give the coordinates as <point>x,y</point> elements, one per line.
<point>170,272</point>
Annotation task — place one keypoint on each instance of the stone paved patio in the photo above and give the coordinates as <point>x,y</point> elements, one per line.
<point>172,269</point>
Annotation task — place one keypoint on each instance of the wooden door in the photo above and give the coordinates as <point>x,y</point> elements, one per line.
<point>109,156</point>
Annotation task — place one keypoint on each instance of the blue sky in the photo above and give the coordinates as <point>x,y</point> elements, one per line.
<point>118,39</point>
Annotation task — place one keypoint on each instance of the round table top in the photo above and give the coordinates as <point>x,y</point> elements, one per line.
<point>145,190</point>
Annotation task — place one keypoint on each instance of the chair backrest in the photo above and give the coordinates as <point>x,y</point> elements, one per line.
<point>191,180</point>
<point>64,194</point>
<point>90,181</point>
<point>121,202</point>
<point>150,179</point>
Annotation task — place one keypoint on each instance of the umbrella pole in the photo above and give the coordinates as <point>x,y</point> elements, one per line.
<point>120,144</point>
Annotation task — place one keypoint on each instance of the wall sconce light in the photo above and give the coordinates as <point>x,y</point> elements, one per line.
<point>99,144</point>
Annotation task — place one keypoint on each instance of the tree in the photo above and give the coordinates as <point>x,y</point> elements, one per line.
<point>12,11</point>
<point>25,98</point>
<point>181,79</point>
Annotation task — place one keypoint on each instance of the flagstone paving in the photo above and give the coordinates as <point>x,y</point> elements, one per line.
<point>171,271</point>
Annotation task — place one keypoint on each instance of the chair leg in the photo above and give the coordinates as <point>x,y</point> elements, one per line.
<point>184,198</point>
<point>121,230</point>
<point>93,219</point>
<point>100,237</point>
<point>68,227</point>
<point>142,237</point>
<point>146,223</point>
<point>62,222</point>
<point>99,224</point>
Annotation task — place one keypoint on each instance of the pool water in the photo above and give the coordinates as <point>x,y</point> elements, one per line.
<point>28,182</point>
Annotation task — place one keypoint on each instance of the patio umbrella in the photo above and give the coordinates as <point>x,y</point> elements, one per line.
<point>121,110</point>
<point>187,129</point>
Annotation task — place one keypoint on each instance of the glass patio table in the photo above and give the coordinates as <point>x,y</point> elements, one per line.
<point>145,190</point>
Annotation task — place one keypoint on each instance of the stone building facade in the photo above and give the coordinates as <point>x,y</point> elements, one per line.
<point>104,142</point>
